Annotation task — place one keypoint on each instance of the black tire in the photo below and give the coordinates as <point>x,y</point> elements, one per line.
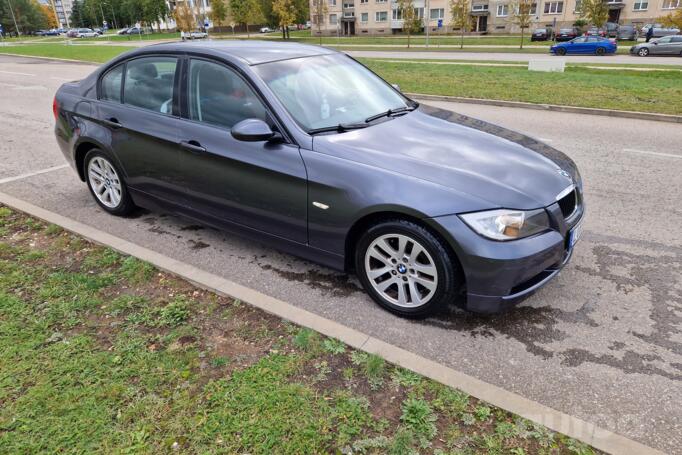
<point>125,206</point>
<point>449,275</point>
<point>561,51</point>
<point>600,51</point>
<point>643,52</point>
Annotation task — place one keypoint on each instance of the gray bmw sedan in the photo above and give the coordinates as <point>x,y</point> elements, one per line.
<point>307,150</point>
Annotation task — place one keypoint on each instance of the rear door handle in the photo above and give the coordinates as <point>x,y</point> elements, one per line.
<point>192,146</point>
<point>112,123</point>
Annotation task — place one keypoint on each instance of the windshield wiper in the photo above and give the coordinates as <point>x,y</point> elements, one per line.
<point>340,128</point>
<point>391,112</point>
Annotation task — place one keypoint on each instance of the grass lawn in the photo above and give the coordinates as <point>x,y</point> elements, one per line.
<point>579,86</point>
<point>655,91</point>
<point>88,53</point>
<point>102,353</point>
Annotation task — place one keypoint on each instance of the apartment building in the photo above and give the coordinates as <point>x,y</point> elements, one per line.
<point>382,17</point>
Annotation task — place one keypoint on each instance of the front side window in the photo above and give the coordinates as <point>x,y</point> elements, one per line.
<point>324,91</point>
<point>664,40</point>
<point>111,84</point>
<point>217,95</point>
<point>149,83</point>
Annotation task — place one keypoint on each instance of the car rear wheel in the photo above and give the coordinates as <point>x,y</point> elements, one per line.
<point>643,52</point>
<point>406,269</point>
<point>600,51</point>
<point>561,51</point>
<point>106,184</point>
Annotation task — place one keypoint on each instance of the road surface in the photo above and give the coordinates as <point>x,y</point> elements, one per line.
<point>602,342</point>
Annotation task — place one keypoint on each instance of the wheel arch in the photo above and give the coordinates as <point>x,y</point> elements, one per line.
<point>81,149</point>
<point>371,219</point>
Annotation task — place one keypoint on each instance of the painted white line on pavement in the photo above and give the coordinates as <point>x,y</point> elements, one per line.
<point>31,174</point>
<point>18,74</point>
<point>646,152</point>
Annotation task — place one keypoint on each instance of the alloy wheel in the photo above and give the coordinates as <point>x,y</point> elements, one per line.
<point>105,182</point>
<point>643,52</point>
<point>401,270</point>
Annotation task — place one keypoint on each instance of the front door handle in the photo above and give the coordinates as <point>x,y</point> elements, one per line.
<point>192,146</point>
<point>112,123</point>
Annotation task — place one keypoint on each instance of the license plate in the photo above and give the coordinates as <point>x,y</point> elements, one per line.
<point>574,235</point>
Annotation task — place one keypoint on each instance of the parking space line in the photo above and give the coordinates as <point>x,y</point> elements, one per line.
<point>17,73</point>
<point>646,152</point>
<point>31,174</point>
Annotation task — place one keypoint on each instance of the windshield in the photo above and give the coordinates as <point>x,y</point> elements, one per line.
<point>329,90</point>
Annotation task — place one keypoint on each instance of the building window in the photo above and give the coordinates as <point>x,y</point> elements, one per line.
<point>502,10</point>
<point>333,19</point>
<point>641,5</point>
<point>554,7</point>
<point>437,13</point>
<point>671,4</point>
<point>381,1</point>
<point>364,17</point>
<point>363,1</point>
<point>419,13</point>
<point>381,16</point>
<point>578,4</point>
<point>349,14</point>
<point>397,14</point>
<point>332,2</point>
<point>480,7</point>
<point>348,5</point>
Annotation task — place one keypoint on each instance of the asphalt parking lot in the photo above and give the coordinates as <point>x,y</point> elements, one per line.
<point>602,342</point>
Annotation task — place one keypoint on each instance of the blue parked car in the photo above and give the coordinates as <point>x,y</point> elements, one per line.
<point>585,45</point>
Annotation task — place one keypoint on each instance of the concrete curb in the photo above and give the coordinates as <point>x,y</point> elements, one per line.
<point>553,107</point>
<point>574,427</point>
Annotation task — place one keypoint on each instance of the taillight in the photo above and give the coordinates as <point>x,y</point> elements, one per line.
<point>55,108</point>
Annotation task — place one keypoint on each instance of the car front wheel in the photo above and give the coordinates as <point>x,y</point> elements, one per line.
<point>406,269</point>
<point>561,51</point>
<point>643,52</point>
<point>106,184</point>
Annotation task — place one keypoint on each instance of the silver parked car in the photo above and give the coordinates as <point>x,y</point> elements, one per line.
<point>668,45</point>
<point>659,30</point>
<point>627,32</point>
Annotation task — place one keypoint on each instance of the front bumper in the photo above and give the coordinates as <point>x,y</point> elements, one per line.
<point>500,275</point>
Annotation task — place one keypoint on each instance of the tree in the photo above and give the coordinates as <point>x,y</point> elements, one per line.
<point>184,19</point>
<point>285,12</point>
<point>302,11</point>
<point>673,19</point>
<point>246,12</point>
<point>460,10</point>
<point>411,22</point>
<point>50,18</point>
<point>27,13</point>
<point>596,12</point>
<point>319,11</point>
<point>218,12</point>
<point>154,11</point>
<point>521,14</point>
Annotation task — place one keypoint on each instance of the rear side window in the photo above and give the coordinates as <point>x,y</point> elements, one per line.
<point>677,39</point>
<point>111,84</point>
<point>149,83</point>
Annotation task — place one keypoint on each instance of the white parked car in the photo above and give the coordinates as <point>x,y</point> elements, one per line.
<point>659,30</point>
<point>198,34</point>
<point>86,33</point>
<point>266,30</point>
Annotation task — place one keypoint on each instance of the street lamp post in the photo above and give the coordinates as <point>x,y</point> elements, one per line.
<point>427,18</point>
<point>11,10</point>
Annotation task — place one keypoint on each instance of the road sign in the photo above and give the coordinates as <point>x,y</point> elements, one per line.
<point>440,23</point>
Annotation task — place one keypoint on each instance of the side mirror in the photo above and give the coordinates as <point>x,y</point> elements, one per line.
<point>396,86</point>
<point>252,130</point>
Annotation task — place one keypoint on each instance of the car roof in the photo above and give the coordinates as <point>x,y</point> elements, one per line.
<point>252,52</point>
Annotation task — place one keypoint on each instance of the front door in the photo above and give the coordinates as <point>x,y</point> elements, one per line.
<point>142,124</point>
<point>257,185</point>
<point>482,23</point>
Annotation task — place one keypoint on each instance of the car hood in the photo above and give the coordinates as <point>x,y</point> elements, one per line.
<point>470,156</point>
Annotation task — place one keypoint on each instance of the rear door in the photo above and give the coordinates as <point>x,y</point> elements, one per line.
<point>257,185</point>
<point>143,122</point>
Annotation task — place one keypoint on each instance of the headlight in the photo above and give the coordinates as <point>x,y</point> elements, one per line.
<point>504,224</point>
